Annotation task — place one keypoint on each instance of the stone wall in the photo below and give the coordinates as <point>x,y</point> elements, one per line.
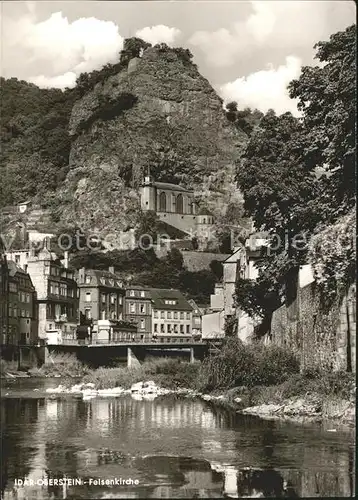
<point>196,261</point>
<point>320,338</point>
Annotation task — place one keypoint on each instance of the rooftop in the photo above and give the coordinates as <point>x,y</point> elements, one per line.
<point>169,186</point>
<point>160,295</point>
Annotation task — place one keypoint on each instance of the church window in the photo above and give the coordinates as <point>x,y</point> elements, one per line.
<point>162,202</point>
<point>179,204</point>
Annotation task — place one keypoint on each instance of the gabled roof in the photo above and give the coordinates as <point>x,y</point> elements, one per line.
<point>169,186</point>
<point>159,295</point>
<point>102,278</point>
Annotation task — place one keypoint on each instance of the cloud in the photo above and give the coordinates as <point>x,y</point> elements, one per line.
<point>61,48</point>
<point>62,81</point>
<point>158,34</point>
<point>266,89</point>
<point>271,25</point>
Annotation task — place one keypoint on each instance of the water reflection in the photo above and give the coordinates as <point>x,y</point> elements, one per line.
<point>174,447</point>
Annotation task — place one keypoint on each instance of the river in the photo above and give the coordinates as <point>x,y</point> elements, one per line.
<point>169,447</point>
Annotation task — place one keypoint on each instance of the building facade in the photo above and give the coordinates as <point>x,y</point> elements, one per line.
<point>138,310</point>
<point>175,206</point>
<point>101,303</point>
<point>18,306</point>
<point>57,296</point>
<point>172,315</point>
<point>101,295</point>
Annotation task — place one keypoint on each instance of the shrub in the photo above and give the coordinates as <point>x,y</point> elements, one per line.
<point>238,364</point>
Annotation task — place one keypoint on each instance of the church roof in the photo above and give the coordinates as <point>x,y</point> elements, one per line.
<point>170,187</point>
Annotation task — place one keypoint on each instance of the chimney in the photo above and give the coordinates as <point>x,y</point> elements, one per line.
<point>111,269</point>
<point>65,259</point>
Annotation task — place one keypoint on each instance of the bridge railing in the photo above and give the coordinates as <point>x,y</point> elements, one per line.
<point>157,340</point>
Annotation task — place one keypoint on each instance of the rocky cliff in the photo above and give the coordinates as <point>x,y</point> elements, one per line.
<point>156,112</point>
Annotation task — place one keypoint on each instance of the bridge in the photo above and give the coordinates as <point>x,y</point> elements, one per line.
<point>134,352</point>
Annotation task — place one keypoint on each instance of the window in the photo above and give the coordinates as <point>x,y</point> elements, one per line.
<point>187,328</point>
<point>50,326</point>
<point>175,314</point>
<point>70,292</point>
<point>103,314</point>
<point>28,298</point>
<point>181,315</point>
<point>63,290</point>
<point>162,314</point>
<point>142,324</point>
<point>103,297</point>
<point>103,281</point>
<point>88,313</point>
<point>17,259</point>
<point>23,313</point>
<point>156,314</point>
<point>88,280</point>
<point>162,202</point>
<point>169,315</point>
<point>120,300</point>
<point>142,294</point>
<point>179,204</point>
<point>188,315</point>
<point>170,302</point>
<point>131,293</point>
<point>27,314</point>
<point>169,328</point>
<point>113,315</point>
<point>181,328</point>
<point>162,328</point>
<point>88,297</point>
<point>155,327</point>
<point>175,328</point>
<point>12,287</point>
<point>120,316</point>
<point>132,307</point>
<point>14,311</point>
<point>113,299</point>
<point>142,308</point>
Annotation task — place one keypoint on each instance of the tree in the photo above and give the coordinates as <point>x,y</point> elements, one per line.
<point>217,269</point>
<point>280,191</point>
<point>175,259</point>
<point>132,47</point>
<point>148,228</point>
<point>327,98</point>
<point>245,119</point>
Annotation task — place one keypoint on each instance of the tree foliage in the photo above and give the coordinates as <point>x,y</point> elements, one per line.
<point>332,255</point>
<point>245,119</point>
<point>35,143</point>
<point>327,98</point>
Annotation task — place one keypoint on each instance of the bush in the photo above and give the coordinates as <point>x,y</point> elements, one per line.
<point>338,383</point>
<point>238,364</point>
<point>169,373</point>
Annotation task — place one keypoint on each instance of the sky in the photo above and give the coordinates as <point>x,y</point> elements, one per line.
<point>248,50</point>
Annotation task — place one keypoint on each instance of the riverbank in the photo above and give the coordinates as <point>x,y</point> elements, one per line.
<point>257,380</point>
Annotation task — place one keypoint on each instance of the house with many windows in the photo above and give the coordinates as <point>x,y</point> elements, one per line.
<point>57,300</point>
<point>158,313</point>
<point>101,302</point>
<point>138,310</point>
<point>172,315</point>
<point>18,305</point>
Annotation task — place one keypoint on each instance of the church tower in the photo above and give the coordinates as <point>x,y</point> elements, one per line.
<point>148,193</point>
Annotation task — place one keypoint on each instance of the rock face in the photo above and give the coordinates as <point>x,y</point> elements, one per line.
<point>158,112</point>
